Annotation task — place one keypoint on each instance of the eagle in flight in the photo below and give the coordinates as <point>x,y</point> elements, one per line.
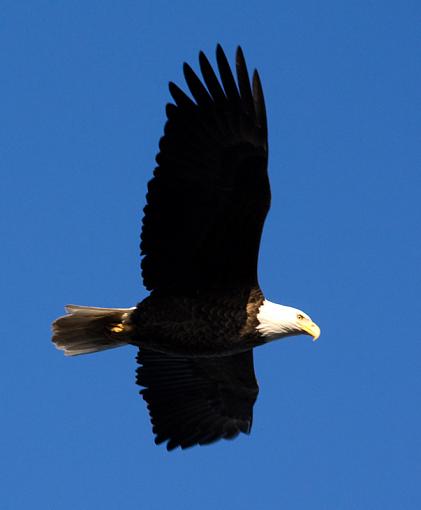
<point>203,220</point>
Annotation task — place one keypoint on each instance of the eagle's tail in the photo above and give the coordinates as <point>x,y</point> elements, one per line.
<point>88,329</point>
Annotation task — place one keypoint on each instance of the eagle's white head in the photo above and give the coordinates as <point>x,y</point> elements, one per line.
<point>277,321</point>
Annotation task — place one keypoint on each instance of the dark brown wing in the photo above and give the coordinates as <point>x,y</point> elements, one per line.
<point>197,401</point>
<point>210,194</point>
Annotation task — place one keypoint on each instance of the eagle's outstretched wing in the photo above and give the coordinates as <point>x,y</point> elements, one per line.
<point>197,401</point>
<point>210,194</point>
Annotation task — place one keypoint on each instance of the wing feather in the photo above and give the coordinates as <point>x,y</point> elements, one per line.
<point>211,80</point>
<point>210,194</point>
<point>227,78</point>
<point>259,103</point>
<point>244,83</point>
<point>197,401</point>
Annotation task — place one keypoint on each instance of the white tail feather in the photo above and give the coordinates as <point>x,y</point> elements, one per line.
<point>87,329</point>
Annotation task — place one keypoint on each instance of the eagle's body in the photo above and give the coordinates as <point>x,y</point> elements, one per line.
<point>206,207</point>
<point>199,325</point>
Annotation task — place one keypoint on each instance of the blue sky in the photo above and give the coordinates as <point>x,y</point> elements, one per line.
<point>83,87</point>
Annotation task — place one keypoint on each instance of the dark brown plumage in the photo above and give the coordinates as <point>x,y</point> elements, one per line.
<point>197,401</point>
<point>210,194</point>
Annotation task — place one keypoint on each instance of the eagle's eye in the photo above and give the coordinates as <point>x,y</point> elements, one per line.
<point>300,317</point>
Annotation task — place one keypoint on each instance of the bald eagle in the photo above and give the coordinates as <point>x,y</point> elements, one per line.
<point>206,205</point>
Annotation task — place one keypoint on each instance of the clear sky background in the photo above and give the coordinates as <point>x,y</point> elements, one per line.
<point>83,86</point>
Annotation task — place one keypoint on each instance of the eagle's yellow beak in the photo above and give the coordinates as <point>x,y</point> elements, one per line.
<point>312,329</point>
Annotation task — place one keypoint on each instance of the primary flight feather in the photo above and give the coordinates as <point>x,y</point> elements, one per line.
<point>206,206</point>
